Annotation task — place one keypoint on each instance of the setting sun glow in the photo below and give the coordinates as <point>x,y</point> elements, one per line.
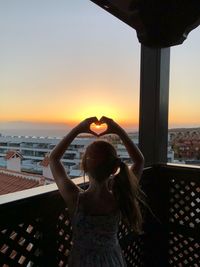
<point>98,128</point>
<point>61,70</point>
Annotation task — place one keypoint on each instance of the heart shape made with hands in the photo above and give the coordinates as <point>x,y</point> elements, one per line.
<point>98,128</point>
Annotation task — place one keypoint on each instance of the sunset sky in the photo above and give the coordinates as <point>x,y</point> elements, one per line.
<point>62,61</point>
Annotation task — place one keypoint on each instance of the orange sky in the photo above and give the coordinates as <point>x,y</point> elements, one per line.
<point>57,68</point>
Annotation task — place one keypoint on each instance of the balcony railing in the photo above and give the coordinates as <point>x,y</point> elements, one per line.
<point>35,229</point>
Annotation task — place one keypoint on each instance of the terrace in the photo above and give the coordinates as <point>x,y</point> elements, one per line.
<point>35,228</point>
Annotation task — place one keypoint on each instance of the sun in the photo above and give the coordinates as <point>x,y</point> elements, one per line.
<point>98,126</point>
<point>96,110</point>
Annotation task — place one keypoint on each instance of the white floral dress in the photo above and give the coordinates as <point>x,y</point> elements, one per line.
<point>95,242</point>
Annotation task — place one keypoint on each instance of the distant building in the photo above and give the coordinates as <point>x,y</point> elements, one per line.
<point>34,149</point>
<point>13,159</point>
<point>186,145</point>
<point>13,180</point>
<point>31,153</point>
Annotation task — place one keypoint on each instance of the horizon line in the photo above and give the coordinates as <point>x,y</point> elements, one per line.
<point>71,123</point>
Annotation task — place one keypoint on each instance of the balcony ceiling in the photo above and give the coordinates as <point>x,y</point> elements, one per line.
<point>158,23</point>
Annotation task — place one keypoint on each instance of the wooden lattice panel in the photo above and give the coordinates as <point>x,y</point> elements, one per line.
<point>133,254</point>
<point>184,217</point>
<point>64,238</point>
<point>185,202</point>
<point>183,251</point>
<point>132,246</point>
<point>20,245</point>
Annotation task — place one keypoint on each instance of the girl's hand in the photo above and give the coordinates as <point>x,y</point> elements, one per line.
<point>84,126</point>
<point>113,127</point>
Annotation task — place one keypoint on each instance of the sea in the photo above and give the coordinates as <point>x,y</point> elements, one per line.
<point>39,129</point>
<point>34,129</point>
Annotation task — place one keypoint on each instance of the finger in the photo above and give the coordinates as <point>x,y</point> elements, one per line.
<point>93,133</point>
<point>92,119</point>
<point>103,133</point>
<point>96,120</point>
<point>105,119</point>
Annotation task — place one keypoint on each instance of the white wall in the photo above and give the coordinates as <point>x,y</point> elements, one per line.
<point>14,164</point>
<point>46,172</point>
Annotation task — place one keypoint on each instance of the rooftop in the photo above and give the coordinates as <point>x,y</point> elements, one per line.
<point>11,181</point>
<point>11,153</point>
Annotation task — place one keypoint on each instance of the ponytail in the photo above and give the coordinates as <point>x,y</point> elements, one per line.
<point>128,195</point>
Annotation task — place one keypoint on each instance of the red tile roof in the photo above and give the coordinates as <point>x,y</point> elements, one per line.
<point>10,183</point>
<point>12,153</point>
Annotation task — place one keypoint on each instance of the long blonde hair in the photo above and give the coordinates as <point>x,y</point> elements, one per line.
<point>99,161</point>
<point>128,194</point>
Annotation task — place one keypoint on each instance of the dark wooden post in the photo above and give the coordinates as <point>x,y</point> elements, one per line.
<point>154,95</point>
<point>153,141</point>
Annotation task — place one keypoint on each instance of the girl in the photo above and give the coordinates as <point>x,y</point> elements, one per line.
<point>113,194</point>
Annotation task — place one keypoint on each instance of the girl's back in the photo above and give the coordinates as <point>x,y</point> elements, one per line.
<point>95,221</point>
<point>95,230</point>
<point>94,203</point>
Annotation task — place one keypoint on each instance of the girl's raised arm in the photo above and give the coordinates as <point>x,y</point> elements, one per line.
<point>134,152</point>
<point>68,189</point>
